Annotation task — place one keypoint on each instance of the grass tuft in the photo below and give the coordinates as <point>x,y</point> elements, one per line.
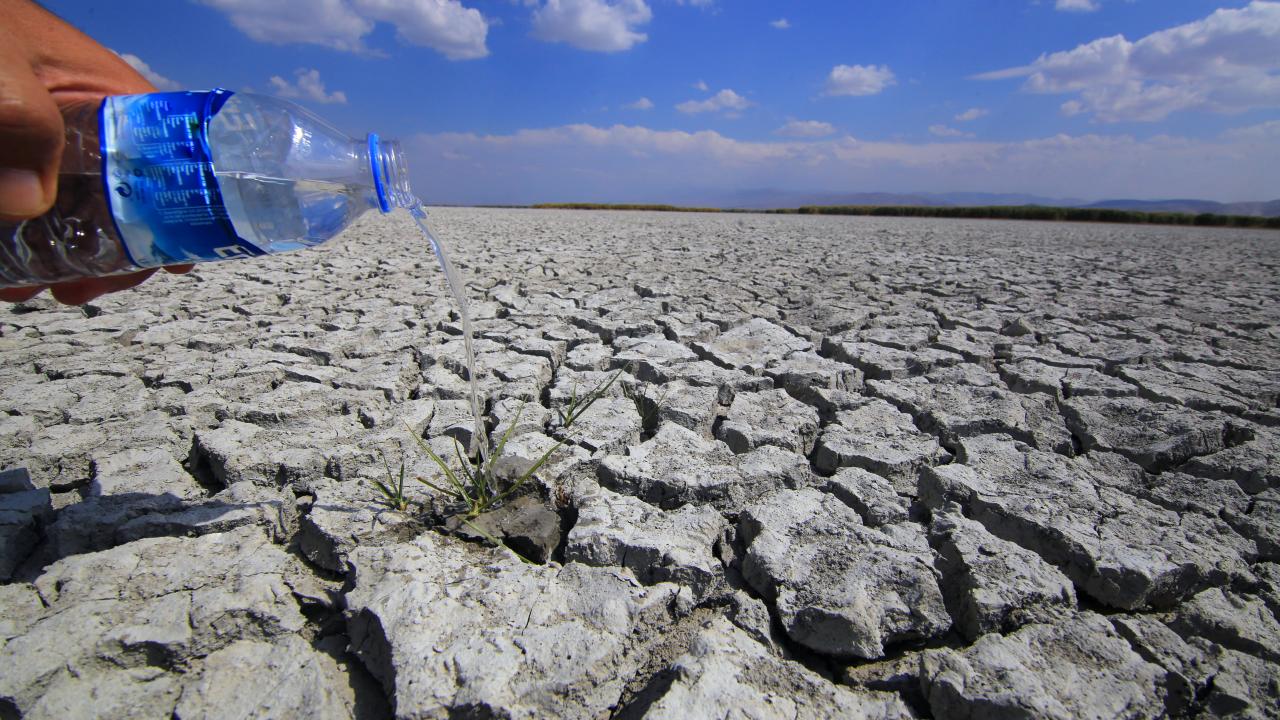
<point>474,483</point>
<point>393,489</point>
<point>578,405</point>
<point>647,407</point>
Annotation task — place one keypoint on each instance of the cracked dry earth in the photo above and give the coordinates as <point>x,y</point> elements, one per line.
<point>852,467</point>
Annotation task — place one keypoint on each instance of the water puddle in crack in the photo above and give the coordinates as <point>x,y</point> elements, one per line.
<point>459,290</point>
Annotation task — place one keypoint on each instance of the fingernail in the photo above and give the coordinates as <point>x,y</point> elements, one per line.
<point>21,193</point>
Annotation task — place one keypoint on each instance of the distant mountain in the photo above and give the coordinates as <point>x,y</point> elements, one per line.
<point>769,198</point>
<point>971,199</point>
<point>1257,209</point>
<point>765,199</point>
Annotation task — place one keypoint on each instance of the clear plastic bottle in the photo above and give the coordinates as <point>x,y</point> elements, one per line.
<point>181,177</point>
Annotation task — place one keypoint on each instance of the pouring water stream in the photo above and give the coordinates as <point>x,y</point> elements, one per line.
<point>459,290</point>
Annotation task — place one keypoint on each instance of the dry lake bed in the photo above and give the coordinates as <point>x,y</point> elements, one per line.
<point>846,467</point>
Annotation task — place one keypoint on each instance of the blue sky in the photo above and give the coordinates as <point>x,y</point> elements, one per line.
<point>693,101</point>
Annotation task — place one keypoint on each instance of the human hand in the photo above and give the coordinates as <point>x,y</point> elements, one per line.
<point>45,65</point>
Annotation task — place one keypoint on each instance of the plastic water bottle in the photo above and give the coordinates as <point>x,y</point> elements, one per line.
<point>184,177</point>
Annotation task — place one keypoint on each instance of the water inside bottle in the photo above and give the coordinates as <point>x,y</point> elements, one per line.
<point>283,214</point>
<point>459,290</point>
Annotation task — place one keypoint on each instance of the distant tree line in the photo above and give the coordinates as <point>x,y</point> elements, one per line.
<point>994,212</point>
<point>1038,212</point>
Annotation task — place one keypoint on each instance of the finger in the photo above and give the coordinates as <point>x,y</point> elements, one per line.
<point>78,292</point>
<point>72,65</point>
<point>20,294</point>
<point>179,269</point>
<point>31,136</point>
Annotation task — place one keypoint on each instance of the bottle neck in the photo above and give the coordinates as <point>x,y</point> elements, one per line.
<point>390,174</point>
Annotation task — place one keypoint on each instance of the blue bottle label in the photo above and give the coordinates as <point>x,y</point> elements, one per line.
<point>158,172</point>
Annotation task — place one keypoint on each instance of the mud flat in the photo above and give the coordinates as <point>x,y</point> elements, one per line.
<point>852,467</point>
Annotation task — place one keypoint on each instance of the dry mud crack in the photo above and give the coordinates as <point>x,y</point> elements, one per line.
<point>850,467</point>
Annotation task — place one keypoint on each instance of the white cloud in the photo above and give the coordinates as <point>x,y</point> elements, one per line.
<point>597,25</point>
<point>1226,62</point>
<point>701,85</point>
<point>643,103</point>
<point>806,129</point>
<point>780,23</point>
<point>1269,130</point>
<point>941,130</point>
<point>630,163</point>
<point>160,81</point>
<point>859,79</point>
<point>724,100</point>
<point>309,86</point>
<point>457,32</point>
<point>333,23</point>
<point>1076,5</point>
<point>972,114</point>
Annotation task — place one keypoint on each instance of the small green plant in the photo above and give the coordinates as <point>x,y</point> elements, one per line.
<point>393,489</point>
<point>474,483</point>
<point>578,405</point>
<point>646,406</point>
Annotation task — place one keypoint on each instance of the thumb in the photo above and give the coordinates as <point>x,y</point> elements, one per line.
<point>31,137</point>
